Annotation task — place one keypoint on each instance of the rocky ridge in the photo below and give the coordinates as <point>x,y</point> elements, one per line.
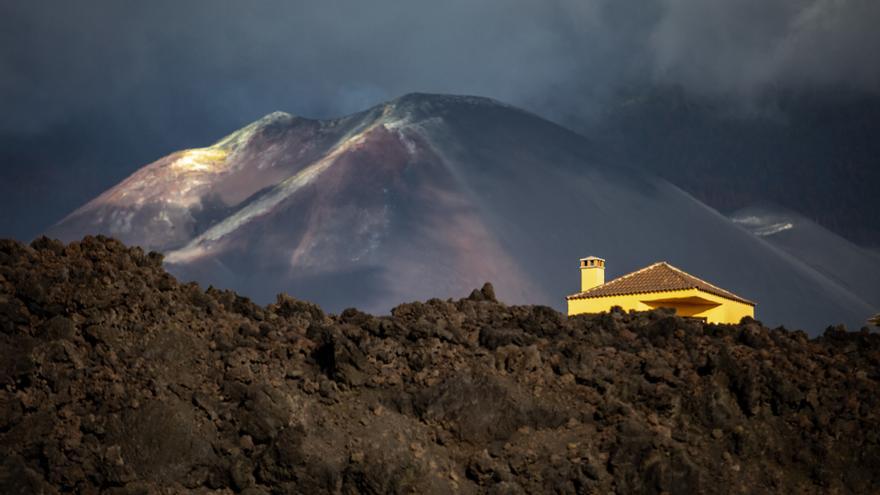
<point>117,378</point>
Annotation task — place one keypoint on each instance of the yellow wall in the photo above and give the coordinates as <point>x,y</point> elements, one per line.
<point>593,276</point>
<point>690,302</point>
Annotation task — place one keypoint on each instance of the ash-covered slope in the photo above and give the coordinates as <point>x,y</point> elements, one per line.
<point>855,268</point>
<point>427,196</point>
<point>165,204</point>
<point>117,378</point>
<point>811,150</point>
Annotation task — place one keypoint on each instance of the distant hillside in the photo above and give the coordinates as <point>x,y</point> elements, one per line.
<point>116,378</point>
<point>426,196</point>
<point>815,153</point>
<point>842,262</point>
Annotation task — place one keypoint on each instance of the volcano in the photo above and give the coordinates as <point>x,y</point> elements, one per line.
<point>428,196</point>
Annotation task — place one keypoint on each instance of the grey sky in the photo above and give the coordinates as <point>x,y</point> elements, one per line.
<point>104,86</point>
<point>331,57</point>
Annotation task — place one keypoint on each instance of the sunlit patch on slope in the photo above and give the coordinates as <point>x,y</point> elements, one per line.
<point>402,127</point>
<point>243,136</point>
<point>177,179</point>
<point>774,229</point>
<point>200,160</point>
<point>401,118</point>
<point>410,133</point>
<point>763,226</point>
<point>203,244</point>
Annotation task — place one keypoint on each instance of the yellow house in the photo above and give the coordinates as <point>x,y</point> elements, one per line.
<point>656,286</point>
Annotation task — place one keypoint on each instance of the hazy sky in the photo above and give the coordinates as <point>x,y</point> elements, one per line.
<point>92,89</point>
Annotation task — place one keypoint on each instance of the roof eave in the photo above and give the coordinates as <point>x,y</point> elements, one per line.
<point>587,296</point>
<point>735,298</point>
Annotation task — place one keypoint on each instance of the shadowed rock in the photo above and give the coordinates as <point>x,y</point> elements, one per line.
<point>116,378</point>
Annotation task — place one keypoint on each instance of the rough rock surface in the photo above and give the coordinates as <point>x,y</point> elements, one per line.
<point>116,378</point>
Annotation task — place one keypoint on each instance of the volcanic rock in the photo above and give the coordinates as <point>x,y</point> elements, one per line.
<point>117,378</point>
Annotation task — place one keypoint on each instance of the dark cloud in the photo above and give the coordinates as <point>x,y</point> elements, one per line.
<point>328,57</point>
<point>159,75</point>
<point>745,46</point>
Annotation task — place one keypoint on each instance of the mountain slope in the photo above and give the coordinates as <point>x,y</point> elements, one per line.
<point>811,151</point>
<point>851,266</point>
<point>426,196</point>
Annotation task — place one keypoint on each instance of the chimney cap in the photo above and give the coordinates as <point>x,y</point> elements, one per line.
<point>592,258</point>
<point>592,262</point>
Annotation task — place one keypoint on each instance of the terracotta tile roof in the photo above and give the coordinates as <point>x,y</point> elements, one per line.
<point>659,277</point>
